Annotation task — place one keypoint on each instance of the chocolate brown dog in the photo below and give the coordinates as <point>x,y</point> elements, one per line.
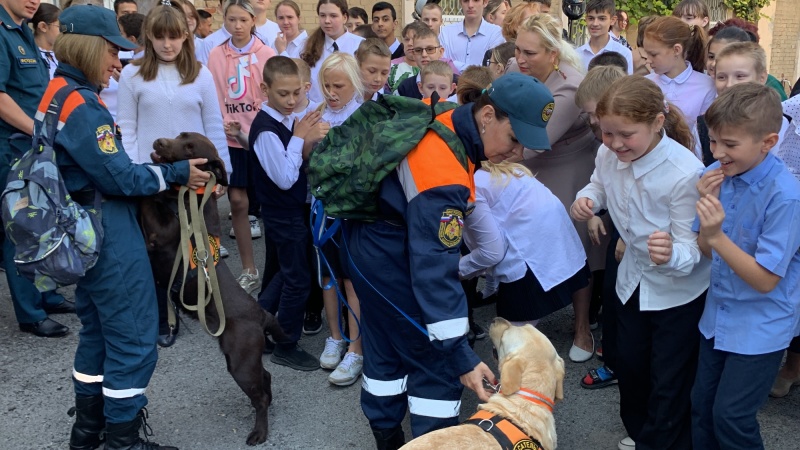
<point>242,341</point>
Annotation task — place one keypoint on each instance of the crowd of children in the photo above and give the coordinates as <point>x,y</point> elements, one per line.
<point>676,153</point>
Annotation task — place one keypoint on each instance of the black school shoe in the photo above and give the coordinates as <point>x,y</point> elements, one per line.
<point>291,355</point>
<point>45,328</point>
<point>312,323</point>
<point>65,307</point>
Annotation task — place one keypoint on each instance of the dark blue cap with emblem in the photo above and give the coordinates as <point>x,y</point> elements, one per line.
<point>529,105</point>
<point>91,20</point>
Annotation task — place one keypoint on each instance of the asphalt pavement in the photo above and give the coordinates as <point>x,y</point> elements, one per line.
<point>195,404</point>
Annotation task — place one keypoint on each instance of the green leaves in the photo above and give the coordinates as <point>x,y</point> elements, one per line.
<point>746,9</point>
<point>637,9</point>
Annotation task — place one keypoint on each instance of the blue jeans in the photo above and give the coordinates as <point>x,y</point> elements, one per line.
<point>728,392</point>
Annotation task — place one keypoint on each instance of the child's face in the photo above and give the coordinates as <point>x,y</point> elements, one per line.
<point>288,21</point>
<point>338,88</point>
<point>473,9</point>
<point>204,27</point>
<point>737,150</point>
<point>382,23</point>
<point>374,73</point>
<point>589,108</point>
<point>331,20</point>
<point>662,58</point>
<point>693,19</point>
<point>284,94</point>
<point>408,46</point>
<point>630,140</point>
<point>599,22</point>
<point>436,83</point>
<point>239,24</point>
<point>433,19</point>
<point>714,48</point>
<point>498,16</point>
<point>421,50</point>
<point>352,23</point>
<point>735,69</point>
<point>167,48</point>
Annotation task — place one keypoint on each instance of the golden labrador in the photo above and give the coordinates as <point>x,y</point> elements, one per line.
<point>532,379</point>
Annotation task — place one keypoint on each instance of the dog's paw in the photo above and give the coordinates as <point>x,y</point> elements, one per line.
<point>257,437</point>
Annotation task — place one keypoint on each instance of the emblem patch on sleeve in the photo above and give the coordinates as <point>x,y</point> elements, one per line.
<point>547,112</point>
<point>105,140</point>
<point>450,227</point>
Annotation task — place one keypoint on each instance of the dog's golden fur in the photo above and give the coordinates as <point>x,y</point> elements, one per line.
<point>526,359</point>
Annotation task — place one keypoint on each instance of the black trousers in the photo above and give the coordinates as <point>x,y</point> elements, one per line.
<point>656,366</point>
<point>610,304</point>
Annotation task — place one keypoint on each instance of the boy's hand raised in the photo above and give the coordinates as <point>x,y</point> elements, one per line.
<point>303,127</point>
<point>710,183</point>
<point>711,215</point>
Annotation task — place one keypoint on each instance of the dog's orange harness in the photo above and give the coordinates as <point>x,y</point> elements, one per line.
<point>508,434</point>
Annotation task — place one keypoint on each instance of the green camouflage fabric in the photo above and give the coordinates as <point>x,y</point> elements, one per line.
<point>56,240</point>
<point>346,168</point>
<point>398,73</point>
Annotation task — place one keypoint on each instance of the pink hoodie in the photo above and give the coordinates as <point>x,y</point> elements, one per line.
<point>237,77</point>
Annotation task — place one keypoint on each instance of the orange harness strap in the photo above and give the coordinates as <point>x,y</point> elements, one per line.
<point>507,434</point>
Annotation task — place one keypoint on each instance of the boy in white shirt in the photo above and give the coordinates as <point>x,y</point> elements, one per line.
<point>384,23</point>
<point>600,16</point>
<point>467,41</point>
<point>432,17</point>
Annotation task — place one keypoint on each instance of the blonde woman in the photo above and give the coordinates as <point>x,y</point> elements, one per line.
<point>541,53</point>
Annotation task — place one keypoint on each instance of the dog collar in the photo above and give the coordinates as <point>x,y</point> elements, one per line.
<point>506,433</point>
<point>537,397</point>
<point>199,191</point>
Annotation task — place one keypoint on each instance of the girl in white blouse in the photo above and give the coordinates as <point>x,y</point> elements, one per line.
<point>291,39</point>
<point>645,177</point>
<point>521,235</point>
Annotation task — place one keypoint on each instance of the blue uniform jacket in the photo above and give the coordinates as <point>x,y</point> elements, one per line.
<point>431,193</point>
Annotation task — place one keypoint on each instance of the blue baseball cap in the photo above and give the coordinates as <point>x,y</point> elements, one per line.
<point>91,20</point>
<point>529,105</point>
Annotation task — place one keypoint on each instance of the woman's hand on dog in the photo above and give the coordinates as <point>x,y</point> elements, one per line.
<point>197,178</point>
<point>474,381</point>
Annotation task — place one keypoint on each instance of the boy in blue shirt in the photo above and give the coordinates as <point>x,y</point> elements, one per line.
<point>748,218</point>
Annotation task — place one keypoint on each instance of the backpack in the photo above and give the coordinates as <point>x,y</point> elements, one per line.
<point>56,240</point>
<point>346,169</point>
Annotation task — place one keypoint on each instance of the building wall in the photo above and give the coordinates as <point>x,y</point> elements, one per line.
<point>783,29</point>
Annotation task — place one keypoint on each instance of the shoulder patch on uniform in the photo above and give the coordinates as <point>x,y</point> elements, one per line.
<point>105,140</point>
<point>450,227</point>
<point>21,50</point>
<point>547,112</point>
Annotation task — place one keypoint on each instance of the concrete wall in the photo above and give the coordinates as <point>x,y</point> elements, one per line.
<point>780,36</point>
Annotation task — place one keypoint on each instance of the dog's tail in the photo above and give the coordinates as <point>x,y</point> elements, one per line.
<point>270,326</point>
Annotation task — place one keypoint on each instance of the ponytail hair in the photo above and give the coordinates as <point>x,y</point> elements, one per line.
<point>548,28</point>
<point>672,31</point>
<point>640,100</point>
<point>314,45</point>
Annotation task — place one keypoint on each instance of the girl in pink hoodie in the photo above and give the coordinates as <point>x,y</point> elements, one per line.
<point>237,66</point>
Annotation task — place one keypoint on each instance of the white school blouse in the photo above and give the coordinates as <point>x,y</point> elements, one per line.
<point>657,192</point>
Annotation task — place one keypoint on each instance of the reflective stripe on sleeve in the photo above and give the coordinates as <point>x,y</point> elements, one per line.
<point>380,388</point>
<point>84,378</point>
<point>123,393</point>
<point>448,329</point>
<point>427,407</point>
<point>162,185</point>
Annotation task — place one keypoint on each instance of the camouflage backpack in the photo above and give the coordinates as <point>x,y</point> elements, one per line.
<point>346,169</point>
<point>56,240</point>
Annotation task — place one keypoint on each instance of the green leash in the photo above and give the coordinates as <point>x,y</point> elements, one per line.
<point>207,283</point>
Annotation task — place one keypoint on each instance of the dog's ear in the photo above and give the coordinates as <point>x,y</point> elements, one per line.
<point>560,371</point>
<point>217,167</point>
<point>511,375</point>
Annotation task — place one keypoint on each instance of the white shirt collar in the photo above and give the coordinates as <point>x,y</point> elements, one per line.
<point>681,78</point>
<point>285,120</point>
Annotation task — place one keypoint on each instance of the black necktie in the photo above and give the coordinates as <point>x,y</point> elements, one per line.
<point>335,46</point>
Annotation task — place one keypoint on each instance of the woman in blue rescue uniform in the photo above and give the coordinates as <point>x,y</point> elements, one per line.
<point>115,301</point>
<point>411,258</point>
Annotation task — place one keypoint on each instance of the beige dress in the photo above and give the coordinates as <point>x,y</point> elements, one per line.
<point>568,166</point>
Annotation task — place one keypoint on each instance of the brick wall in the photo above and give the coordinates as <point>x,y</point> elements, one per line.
<point>785,39</point>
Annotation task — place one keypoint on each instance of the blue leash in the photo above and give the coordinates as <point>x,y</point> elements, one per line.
<point>322,235</point>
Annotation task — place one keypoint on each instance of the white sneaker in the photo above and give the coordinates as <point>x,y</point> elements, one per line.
<point>232,234</point>
<point>626,444</point>
<point>255,229</point>
<point>248,281</point>
<point>223,252</point>
<point>348,370</point>
<point>332,354</point>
